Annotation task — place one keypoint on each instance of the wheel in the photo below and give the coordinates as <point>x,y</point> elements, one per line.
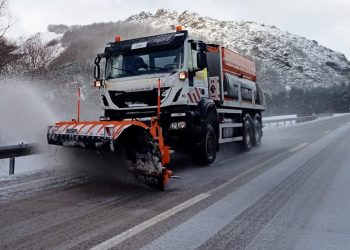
<point>257,132</point>
<point>145,159</point>
<point>205,153</point>
<point>247,142</point>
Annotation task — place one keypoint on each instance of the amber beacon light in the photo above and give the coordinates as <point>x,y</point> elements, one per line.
<point>118,39</point>
<point>178,28</point>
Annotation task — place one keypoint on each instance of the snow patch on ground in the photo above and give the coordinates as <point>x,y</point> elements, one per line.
<point>270,120</point>
<point>278,117</point>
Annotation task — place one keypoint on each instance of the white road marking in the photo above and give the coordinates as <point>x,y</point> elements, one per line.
<point>147,224</point>
<point>298,147</point>
<point>163,216</point>
<point>327,132</point>
<point>244,173</point>
<point>167,214</point>
<point>193,233</point>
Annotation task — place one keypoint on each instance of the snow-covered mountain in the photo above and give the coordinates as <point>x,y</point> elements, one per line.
<point>283,59</point>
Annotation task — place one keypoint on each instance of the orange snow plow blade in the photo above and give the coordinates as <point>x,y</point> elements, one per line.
<point>143,143</point>
<point>88,134</point>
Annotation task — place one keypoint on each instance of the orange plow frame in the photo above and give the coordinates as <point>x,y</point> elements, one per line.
<point>102,135</point>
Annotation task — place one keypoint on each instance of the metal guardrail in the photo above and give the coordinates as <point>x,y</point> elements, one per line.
<point>18,150</point>
<point>288,121</point>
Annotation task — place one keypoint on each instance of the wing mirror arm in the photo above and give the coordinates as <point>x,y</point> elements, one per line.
<point>97,68</point>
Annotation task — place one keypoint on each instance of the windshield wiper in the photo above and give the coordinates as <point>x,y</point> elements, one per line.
<point>128,71</point>
<point>153,67</point>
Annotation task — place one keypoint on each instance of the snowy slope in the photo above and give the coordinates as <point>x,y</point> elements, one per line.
<point>47,37</point>
<point>50,40</point>
<point>283,59</point>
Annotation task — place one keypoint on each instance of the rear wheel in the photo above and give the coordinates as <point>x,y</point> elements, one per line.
<point>257,132</point>
<point>247,142</point>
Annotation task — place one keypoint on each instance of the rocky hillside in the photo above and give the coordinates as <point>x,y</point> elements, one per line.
<point>283,59</point>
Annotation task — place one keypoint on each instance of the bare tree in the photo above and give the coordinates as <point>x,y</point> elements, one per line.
<point>6,19</point>
<point>36,54</point>
<point>8,56</point>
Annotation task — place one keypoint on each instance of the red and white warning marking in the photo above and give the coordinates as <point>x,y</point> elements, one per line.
<point>194,96</point>
<point>112,129</point>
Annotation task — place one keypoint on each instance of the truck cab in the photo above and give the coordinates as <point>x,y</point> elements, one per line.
<point>133,68</point>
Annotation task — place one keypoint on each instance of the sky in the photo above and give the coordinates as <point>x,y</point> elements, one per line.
<point>326,21</point>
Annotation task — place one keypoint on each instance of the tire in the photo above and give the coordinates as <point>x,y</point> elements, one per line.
<point>145,159</point>
<point>205,153</point>
<point>257,132</point>
<point>247,142</point>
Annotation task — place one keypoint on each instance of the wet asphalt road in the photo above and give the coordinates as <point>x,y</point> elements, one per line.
<point>291,193</point>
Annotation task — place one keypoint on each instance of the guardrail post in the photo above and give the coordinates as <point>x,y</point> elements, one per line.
<point>12,166</point>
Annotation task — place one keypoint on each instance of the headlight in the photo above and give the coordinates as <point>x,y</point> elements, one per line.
<point>178,125</point>
<point>173,125</point>
<point>181,125</point>
<point>183,75</point>
<point>97,83</point>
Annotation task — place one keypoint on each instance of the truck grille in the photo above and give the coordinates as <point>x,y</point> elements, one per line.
<point>136,99</point>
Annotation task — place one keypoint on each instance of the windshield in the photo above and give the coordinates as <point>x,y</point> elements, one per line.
<point>144,63</point>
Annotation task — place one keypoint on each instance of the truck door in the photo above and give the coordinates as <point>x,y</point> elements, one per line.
<point>198,72</point>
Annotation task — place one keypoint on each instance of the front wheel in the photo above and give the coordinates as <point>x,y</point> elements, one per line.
<point>205,153</point>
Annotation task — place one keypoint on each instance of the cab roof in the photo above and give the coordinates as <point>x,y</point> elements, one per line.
<point>166,41</point>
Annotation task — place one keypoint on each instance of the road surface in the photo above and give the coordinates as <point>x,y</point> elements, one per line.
<point>291,193</point>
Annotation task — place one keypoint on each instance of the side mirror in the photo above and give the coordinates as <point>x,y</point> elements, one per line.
<point>201,60</point>
<point>202,46</point>
<point>97,69</point>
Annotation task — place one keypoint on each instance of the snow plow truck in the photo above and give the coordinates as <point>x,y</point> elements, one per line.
<point>168,91</point>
